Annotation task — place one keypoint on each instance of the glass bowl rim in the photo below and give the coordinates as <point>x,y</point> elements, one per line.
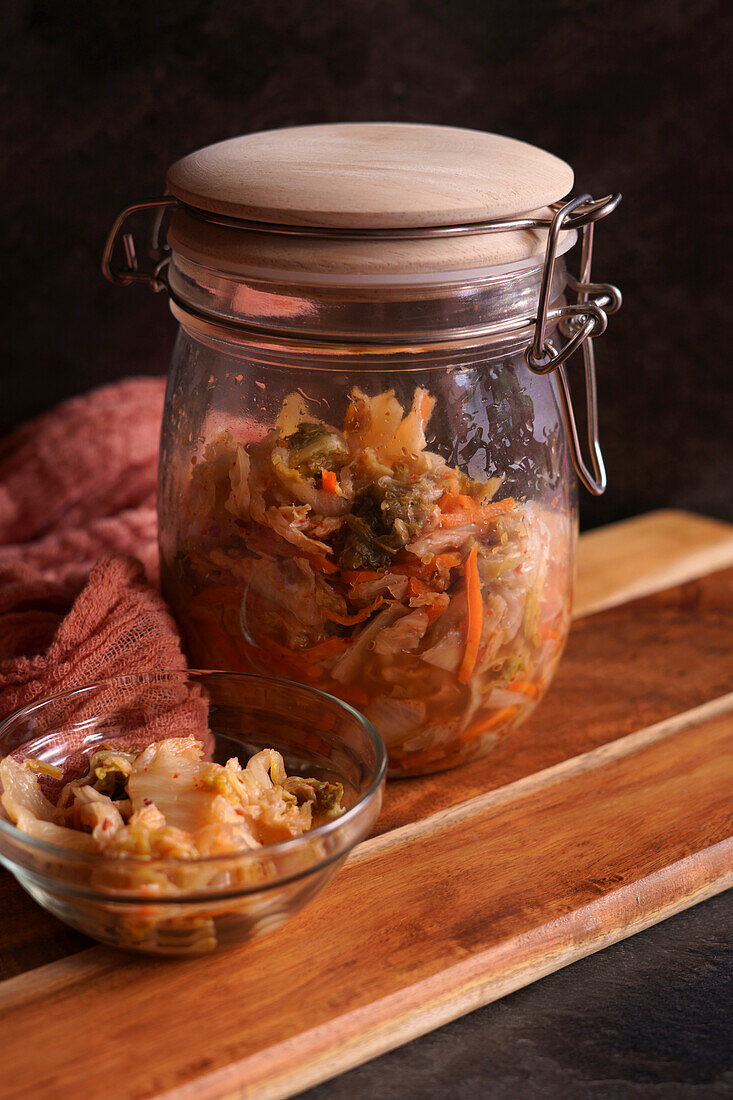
<point>17,836</point>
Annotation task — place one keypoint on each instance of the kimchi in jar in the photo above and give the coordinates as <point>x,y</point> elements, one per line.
<point>367,473</point>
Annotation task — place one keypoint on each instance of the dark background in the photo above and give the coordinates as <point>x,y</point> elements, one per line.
<point>99,98</point>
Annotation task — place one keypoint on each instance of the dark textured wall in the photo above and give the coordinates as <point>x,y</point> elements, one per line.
<point>98,98</point>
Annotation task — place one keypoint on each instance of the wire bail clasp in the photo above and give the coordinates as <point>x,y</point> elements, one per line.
<point>159,252</point>
<point>580,321</point>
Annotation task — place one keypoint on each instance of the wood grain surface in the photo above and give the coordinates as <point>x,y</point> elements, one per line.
<point>648,554</point>
<point>370,175</point>
<point>611,811</point>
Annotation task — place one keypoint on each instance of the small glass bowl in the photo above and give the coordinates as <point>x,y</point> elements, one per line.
<point>212,901</point>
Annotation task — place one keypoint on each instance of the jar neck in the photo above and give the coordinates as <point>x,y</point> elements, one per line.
<point>498,308</point>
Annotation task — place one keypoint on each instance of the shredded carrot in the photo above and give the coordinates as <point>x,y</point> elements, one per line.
<point>483,725</point>
<point>457,509</point>
<point>421,568</point>
<point>329,648</point>
<point>496,508</point>
<point>447,561</point>
<point>323,565</point>
<point>474,618</point>
<point>426,407</point>
<point>410,569</point>
<point>480,514</point>
<point>403,569</point>
<point>330,481</point>
<point>434,610</point>
<point>454,502</point>
<point>416,587</point>
<point>525,687</point>
<point>76,816</point>
<point>458,519</point>
<point>356,576</point>
<point>359,617</point>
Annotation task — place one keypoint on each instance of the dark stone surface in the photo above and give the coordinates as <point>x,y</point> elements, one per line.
<point>647,1019</point>
<point>98,99</point>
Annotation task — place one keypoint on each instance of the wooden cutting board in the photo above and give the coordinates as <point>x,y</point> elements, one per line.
<point>610,811</point>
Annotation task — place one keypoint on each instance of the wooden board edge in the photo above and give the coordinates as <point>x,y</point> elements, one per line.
<point>638,557</point>
<point>356,1038</point>
<point>536,781</point>
<point>55,976</point>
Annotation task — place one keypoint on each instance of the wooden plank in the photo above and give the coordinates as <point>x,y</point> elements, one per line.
<point>458,911</point>
<point>602,691</point>
<point>599,693</point>
<point>647,554</point>
<point>363,1036</point>
<point>638,680</point>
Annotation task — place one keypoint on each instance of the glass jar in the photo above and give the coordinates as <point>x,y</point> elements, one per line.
<point>366,477</point>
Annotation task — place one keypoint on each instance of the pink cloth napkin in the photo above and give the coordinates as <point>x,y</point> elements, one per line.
<point>77,499</point>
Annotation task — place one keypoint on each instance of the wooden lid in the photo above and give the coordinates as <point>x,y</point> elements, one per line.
<point>368,175</point>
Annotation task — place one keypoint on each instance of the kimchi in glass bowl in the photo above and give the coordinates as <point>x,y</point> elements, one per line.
<point>176,812</point>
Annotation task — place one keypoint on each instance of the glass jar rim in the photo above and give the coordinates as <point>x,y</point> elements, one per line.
<point>498,309</point>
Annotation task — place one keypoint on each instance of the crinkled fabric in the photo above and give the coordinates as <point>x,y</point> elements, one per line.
<point>76,502</point>
<point>116,625</point>
<point>79,482</point>
<point>68,555</point>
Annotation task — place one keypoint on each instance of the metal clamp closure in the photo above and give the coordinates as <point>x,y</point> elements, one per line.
<point>581,322</point>
<point>159,251</point>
